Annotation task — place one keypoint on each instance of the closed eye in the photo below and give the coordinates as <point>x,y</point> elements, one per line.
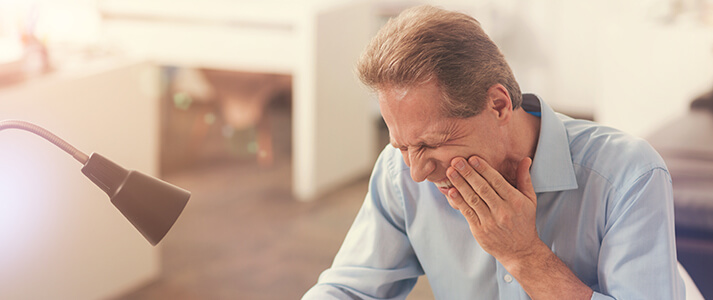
<point>427,146</point>
<point>420,147</point>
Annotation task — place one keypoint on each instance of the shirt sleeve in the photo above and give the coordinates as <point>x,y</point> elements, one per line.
<point>376,260</point>
<point>637,258</point>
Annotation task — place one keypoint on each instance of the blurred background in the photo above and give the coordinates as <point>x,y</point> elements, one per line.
<point>254,107</point>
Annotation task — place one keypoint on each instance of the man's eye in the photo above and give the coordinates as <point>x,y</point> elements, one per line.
<point>419,148</point>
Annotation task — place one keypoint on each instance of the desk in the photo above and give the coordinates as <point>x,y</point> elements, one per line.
<point>317,42</point>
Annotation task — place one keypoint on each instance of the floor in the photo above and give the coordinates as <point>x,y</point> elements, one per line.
<point>243,236</point>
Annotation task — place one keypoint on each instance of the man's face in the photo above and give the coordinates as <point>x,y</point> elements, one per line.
<point>429,140</point>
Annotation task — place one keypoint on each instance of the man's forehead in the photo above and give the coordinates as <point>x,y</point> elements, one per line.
<point>429,137</point>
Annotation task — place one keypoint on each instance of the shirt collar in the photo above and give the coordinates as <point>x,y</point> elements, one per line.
<point>552,168</point>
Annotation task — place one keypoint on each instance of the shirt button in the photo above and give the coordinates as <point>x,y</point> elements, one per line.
<point>508,278</point>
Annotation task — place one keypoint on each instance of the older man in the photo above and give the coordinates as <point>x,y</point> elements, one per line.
<point>492,194</point>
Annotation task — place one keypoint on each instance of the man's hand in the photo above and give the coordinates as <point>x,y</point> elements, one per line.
<point>501,217</point>
<point>502,220</point>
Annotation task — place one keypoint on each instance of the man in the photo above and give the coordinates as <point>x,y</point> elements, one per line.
<point>489,192</point>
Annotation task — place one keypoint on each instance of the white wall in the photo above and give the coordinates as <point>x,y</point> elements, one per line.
<point>61,237</point>
<point>618,61</point>
<point>633,65</point>
<point>650,69</point>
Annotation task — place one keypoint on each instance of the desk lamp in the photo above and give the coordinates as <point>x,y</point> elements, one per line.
<point>150,204</point>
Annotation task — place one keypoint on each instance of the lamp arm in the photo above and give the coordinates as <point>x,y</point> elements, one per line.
<point>51,137</point>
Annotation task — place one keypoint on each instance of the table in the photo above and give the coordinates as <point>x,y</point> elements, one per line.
<point>317,42</point>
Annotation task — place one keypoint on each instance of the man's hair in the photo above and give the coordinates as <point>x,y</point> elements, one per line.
<point>425,43</point>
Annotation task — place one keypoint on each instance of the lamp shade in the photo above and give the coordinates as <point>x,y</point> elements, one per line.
<point>150,204</point>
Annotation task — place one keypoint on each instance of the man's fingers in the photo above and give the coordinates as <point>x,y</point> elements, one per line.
<point>524,182</point>
<point>495,180</point>
<point>459,204</point>
<point>454,203</point>
<point>466,192</point>
<point>482,187</point>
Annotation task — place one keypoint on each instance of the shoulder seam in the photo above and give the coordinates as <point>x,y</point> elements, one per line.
<point>393,169</point>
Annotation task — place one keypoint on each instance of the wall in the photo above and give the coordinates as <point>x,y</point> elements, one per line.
<point>633,65</point>
<point>651,65</point>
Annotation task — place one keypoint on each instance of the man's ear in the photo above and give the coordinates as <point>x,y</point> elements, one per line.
<point>499,101</point>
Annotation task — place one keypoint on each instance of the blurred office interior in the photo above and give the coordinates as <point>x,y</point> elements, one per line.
<point>254,107</point>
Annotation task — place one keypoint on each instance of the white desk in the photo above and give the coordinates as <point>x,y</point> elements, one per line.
<point>318,43</point>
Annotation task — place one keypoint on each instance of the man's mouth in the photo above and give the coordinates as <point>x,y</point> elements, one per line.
<point>444,186</point>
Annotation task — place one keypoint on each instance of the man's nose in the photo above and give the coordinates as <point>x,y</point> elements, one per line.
<point>420,167</point>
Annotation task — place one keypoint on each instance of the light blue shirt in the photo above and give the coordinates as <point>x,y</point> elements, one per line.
<point>604,207</point>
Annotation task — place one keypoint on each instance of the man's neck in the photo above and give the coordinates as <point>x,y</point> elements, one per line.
<point>525,132</point>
